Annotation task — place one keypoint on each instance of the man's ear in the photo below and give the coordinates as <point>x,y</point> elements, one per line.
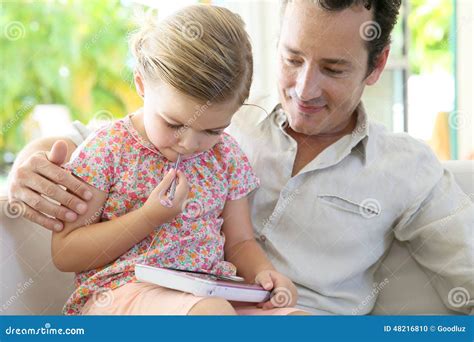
<point>379,67</point>
<point>139,83</point>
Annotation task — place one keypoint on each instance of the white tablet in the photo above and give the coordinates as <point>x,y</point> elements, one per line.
<point>203,285</point>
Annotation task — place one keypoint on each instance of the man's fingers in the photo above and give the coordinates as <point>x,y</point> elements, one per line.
<point>36,217</point>
<point>41,204</point>
<point>58,152</point>
<point>53,191</point>
<point>60,176</point>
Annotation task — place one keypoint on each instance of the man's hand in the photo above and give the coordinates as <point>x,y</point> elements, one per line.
<point>284,292</point>
<point>40,174</point>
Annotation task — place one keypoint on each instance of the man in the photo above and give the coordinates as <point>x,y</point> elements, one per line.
<point>336,189</point>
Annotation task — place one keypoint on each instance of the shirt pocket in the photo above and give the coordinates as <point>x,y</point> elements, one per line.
<point>363,224</point>
<point>368,208</point>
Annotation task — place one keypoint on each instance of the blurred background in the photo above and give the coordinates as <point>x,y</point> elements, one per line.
<point>68,60</point>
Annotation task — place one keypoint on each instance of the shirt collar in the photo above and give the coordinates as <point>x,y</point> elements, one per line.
<point>269,104</point>
<point>358,140</point>
<point>360,135</point>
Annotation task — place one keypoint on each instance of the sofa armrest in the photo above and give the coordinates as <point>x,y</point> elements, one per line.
<point>30,284</point>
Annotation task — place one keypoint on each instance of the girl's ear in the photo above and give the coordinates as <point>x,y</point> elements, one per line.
<point>139,84</point>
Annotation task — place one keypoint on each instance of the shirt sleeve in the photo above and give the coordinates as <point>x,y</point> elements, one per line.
<point>78,132</point>
<point>439,230</point>
<point>93,161</point>
<point>242,179</point>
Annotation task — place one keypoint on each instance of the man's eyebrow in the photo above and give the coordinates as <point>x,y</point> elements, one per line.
<point>177,122</point>
<point>337,61</point>
<point>292,50</point>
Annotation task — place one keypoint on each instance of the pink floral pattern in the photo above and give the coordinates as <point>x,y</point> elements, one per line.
<point>116,160</point>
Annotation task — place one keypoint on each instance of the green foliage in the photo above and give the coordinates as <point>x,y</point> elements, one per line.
<point>75,53</point>
<point>67,52</point>
<point>430,23</point>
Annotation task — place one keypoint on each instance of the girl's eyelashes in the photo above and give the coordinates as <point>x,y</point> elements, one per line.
<point>213,132</point>
<point>170,125</point>
<point>293,62</point>
<point>174,126</point>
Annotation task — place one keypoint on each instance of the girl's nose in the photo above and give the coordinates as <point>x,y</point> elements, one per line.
<point>190,141</point>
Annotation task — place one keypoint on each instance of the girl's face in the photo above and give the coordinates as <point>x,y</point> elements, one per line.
<point>176,123</point>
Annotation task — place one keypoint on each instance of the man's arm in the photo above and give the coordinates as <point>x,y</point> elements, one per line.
<point>37,172</point>
<point>439,230</point>
<point>87,244</point>
<point>41,145</point>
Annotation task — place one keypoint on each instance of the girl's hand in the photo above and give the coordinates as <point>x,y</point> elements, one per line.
<point>284,292</point>
<point>157,213</point>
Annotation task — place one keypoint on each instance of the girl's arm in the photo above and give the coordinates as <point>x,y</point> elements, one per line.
<point>245,253</point>
<point>87,244</point>
<point>240,247</point>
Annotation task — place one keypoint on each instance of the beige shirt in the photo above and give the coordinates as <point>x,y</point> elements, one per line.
<point>329,227</point>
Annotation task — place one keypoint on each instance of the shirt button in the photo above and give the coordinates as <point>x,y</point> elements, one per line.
<point>263,238</point>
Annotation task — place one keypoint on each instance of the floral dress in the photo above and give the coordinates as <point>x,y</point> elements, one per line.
<point>117,160</point>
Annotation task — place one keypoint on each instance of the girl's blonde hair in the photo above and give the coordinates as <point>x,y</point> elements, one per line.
<point>202,51</point>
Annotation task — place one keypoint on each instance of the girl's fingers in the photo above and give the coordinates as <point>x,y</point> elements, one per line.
<point>265,280</point>
<point>182,187</point>
<point>268,305</point>
<point>167,180</point>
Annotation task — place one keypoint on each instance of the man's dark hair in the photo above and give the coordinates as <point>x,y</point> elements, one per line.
<point>384,17</point>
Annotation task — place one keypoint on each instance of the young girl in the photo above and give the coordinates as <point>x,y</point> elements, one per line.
<point>193,72</point>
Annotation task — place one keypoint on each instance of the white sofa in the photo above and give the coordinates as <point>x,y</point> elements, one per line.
<point>30,284</point>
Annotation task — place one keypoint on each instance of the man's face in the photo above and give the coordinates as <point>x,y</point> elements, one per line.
<point>322,66</point>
